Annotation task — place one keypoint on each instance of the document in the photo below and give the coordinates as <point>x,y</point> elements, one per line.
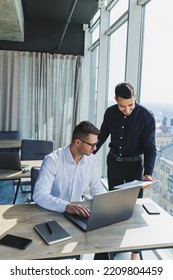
<point>136,183</point>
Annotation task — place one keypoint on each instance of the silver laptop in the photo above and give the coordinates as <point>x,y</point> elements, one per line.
<point>108,208</point>
<point>10,161</point>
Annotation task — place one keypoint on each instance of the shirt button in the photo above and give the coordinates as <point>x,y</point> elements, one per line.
<point>119,147</point>
<point>120,155</point>
<point>122,126</point>
<point>121,137</point>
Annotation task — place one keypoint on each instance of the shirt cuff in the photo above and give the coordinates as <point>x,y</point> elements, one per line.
<point>62,205</point>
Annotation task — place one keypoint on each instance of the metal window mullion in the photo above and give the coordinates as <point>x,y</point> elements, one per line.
<point>95,45</point>
<point>111,4</point>
<point>142,2</point>
<point>94,26</point>
<point>117,24</point>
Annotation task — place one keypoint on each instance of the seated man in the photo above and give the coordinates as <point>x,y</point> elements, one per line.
<point>68,173</point>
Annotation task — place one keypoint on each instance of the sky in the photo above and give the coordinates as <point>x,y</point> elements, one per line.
<point>158,53</point>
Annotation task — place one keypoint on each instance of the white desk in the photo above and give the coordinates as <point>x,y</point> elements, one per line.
<point>141,232</point>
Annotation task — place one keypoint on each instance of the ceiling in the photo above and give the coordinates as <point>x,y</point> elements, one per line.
<point>45,25</point>
<point>58,10</point>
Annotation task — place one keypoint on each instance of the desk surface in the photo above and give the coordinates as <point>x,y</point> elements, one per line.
<point>10,144</point>
<point>141,231</point>
<point>14,175</point>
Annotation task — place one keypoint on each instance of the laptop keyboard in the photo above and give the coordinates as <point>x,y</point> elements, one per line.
<point>83,219</point>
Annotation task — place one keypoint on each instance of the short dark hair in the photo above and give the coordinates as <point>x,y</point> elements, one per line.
<point>124,90</point>
<point>83,129</point>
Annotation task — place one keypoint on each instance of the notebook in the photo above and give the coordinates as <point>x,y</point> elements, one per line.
<point>108,208</point>
<point>10,161</point>
<point>52,232</point>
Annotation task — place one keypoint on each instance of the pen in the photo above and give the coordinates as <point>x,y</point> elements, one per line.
<point>49,227</point>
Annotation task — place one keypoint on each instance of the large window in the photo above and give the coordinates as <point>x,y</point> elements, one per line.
<point>156,90</point>
<point>93,84</point>
<point>95,27</point>
<point>117,60</point>
<point>118,10</point>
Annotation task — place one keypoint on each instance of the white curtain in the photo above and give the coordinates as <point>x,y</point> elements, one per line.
<point>40,94</point>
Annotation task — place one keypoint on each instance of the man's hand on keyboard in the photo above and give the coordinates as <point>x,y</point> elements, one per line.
<point>78,209</point>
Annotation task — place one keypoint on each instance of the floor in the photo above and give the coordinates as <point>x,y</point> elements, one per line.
<point>7,190</point>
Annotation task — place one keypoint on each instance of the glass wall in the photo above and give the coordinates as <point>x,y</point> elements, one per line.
<point>117,60</point>
<point>118,10</point>
<point>156,93</point>
<point>95,27</point>
<point>93,84</point>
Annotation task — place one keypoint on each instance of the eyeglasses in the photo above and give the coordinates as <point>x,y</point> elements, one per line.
<point>92,145</point>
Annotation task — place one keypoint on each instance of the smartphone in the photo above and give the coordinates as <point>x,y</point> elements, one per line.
<point>151,208</point>
<point>15,241</point>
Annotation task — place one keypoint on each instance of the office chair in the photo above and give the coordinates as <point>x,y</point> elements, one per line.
<point>34,174</point>
<point>11,161</point>
<point>9,135</point>
<point>34,150</point>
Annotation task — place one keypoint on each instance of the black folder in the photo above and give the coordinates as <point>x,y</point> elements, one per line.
<point>52,232</point>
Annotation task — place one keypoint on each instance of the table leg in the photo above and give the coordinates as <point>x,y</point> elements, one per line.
<point>16,193</point>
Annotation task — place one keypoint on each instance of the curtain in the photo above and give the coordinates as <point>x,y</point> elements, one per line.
<point>40,94</point>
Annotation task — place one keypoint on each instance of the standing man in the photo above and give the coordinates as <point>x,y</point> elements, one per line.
<point>132,145</point>
<point>68,173</point>
<point>132,139</point>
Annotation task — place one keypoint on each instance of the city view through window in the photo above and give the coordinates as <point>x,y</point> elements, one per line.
<point>156,94</point>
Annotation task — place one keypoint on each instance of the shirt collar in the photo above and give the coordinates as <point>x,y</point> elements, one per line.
<point>69,156</point>
<point>121,113</point>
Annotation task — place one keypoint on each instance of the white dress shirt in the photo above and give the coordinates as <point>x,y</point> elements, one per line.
<point>61,180</point>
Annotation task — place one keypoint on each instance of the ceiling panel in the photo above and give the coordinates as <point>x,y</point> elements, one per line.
<point>47,24</point>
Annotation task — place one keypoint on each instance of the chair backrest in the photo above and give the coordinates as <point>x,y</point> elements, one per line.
<point>34,174</point>
<point>9,135</point>
<point>35,149</point>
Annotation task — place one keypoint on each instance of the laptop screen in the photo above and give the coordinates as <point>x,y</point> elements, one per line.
<point>10,161</point>
<point>108,208</point>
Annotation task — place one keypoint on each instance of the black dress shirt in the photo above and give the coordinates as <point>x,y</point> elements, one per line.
<point>131,135</point>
